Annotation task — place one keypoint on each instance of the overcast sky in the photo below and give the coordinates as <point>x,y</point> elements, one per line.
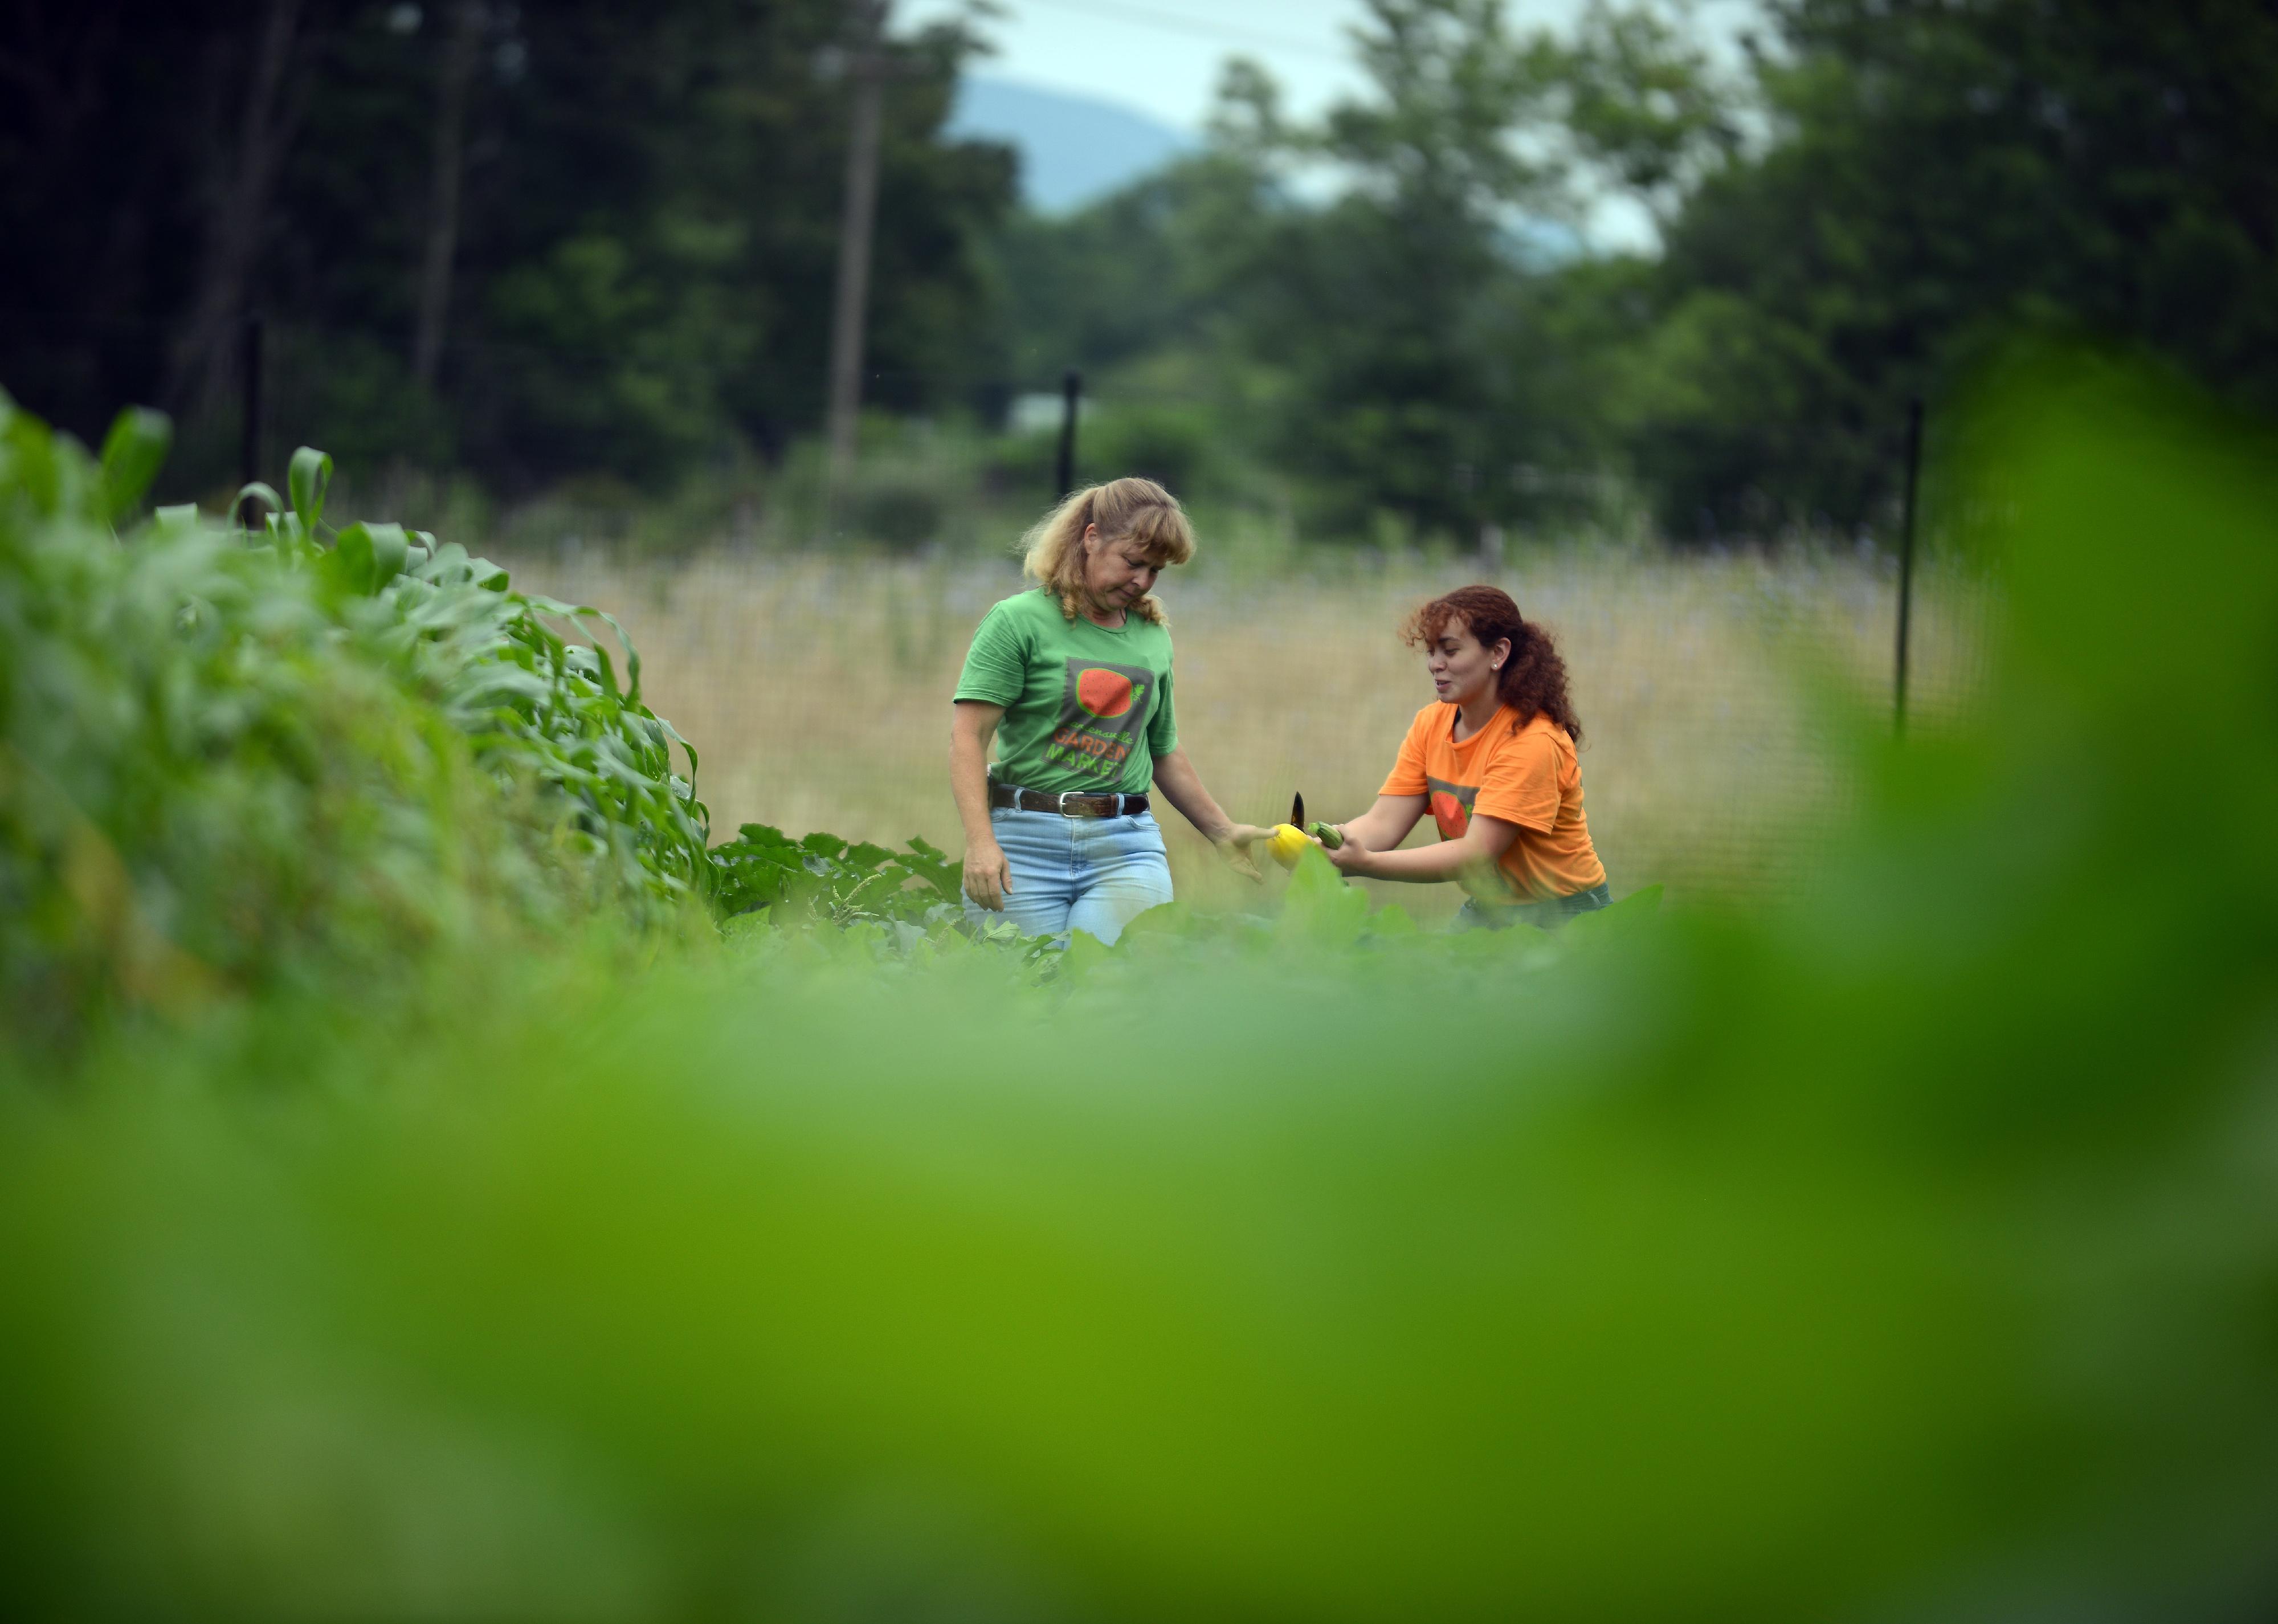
<point>1162,57</point>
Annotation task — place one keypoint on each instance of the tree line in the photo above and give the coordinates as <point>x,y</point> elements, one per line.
<point>530,239</point>
<point>1860,208</point>
<point>563,236</point>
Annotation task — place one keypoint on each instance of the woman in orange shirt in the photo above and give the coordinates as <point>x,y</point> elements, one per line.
<point>1493,760</point>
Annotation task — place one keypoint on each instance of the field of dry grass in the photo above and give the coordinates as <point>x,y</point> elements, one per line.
<point>817,691</point>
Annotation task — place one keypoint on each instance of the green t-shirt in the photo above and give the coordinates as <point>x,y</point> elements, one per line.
<point>1085,708</point>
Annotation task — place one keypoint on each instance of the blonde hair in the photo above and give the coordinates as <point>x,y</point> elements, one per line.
<point>1125,510</point>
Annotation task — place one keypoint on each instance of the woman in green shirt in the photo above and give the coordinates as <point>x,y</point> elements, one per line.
<point>1071,681</point>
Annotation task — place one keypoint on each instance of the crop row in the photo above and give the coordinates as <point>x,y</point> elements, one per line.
<point>235,756</point>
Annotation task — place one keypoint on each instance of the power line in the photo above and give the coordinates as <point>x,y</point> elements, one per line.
<point>1172,22</point>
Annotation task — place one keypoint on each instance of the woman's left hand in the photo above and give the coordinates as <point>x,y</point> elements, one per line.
<point>1352,858</point>
<point>1235,845</point>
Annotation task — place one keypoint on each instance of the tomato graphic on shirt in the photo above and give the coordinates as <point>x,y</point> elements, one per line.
<point>1451,805</point>
<point>1104,711</point>
<point>1104,692</point>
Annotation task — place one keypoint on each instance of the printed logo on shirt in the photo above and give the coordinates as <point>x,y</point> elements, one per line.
<point>1103,713</point>
<point>1103,693</point>
<point>1451,805</point>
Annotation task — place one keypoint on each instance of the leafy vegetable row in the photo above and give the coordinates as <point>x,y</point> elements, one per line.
<point>243,756</point>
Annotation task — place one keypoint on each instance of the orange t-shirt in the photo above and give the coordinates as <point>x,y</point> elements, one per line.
<point>1525,775</point>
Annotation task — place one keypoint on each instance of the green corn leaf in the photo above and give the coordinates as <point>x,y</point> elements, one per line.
<point>391,548</point>
<point>607,668</point>
<point>632,656</point>
<point>132,452</point>
<point>309,477</point>
<point>265,494</point>
<point>350,562</point>
<point>285,536</point>
<point>695,761</point>
<point>29,461</point>
<point>365,557</point>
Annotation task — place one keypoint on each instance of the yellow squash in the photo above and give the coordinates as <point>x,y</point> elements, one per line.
<point>1287,844</point>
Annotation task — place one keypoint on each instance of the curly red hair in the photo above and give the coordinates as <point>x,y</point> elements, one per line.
<point>1533,680</point>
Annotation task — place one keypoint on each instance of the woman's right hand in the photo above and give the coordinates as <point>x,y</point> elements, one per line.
<point>1349,857</point>
<point>988,877</point>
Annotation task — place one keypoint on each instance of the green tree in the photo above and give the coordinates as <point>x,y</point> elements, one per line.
<point>1385,311</point>
<point>652,234</point>
<point>1937,177</point>
<point>1131,276</point>
<point>1388,304</point>
<point>642,249</point>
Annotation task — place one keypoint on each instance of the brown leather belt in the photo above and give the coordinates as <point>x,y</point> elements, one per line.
<point>1073,803</point>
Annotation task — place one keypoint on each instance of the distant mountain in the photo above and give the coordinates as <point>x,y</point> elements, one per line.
<point>1073,148</point>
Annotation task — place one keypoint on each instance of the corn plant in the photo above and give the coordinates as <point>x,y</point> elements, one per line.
<point>535,705</point>
<point>234,757</point>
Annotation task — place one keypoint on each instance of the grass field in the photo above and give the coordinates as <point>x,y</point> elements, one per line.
<point>817,690</point>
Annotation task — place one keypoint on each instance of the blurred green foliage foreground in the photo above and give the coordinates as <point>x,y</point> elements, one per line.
<point>1910,1252</point>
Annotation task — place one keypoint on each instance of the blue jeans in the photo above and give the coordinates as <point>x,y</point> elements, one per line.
<point>1092,874</point>
<point>1546,915</point>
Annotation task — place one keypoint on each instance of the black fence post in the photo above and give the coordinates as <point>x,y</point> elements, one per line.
<point>248,441</point>
<point>1906,554</point>
<point>1064,472</point>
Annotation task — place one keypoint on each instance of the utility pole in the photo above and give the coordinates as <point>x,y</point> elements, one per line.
<point>248,401</point>
<point>1064,467</point>
<point>867,68</point>
<point>244,186</point>
<point>1906,556</point>
<point>459,58</point>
